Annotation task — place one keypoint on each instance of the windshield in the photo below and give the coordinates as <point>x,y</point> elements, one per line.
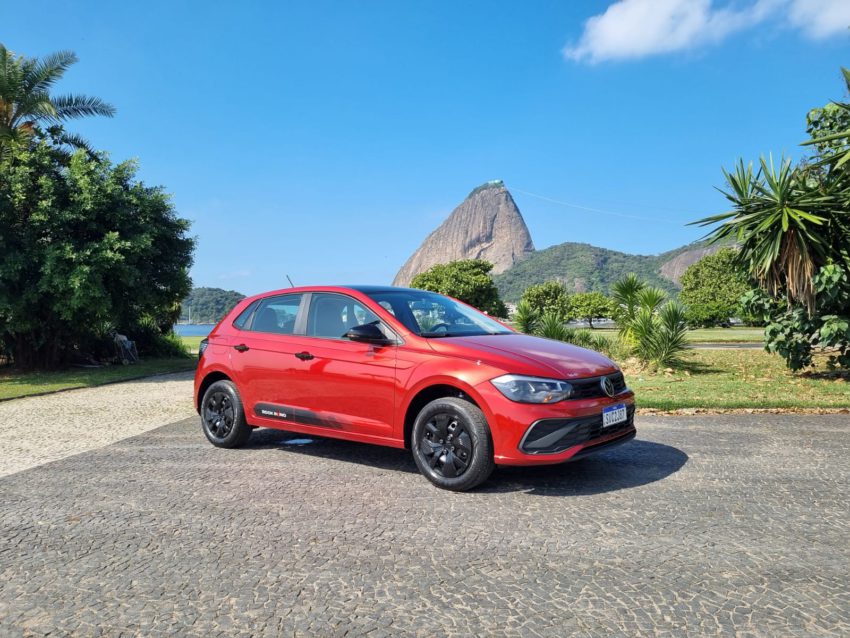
<point>431,315</point>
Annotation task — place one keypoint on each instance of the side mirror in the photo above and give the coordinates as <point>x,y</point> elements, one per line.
<point>367,333</point>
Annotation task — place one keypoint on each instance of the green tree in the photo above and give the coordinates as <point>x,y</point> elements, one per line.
<point>467,280</point>
<point>550,297</point>
<point>26,103</point>
<point>794,235</point>
<point>84,248</point>
<point>712,288</point>
<point>589,306</point>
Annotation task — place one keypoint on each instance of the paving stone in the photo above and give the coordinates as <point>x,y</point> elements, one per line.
<point>703,525</point>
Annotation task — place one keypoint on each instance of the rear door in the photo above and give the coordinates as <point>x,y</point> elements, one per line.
<point>346,385</point>
<point>263,355</point>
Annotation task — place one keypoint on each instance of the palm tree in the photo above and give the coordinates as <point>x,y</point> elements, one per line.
<point>26,103</point>
<point>782,221</point>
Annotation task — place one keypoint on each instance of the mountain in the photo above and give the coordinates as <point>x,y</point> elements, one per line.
<point>208,305</point>
<point>586,268</point>
<point>487,225</point>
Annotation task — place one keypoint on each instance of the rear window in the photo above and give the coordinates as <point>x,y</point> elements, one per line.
<point>243,318</point>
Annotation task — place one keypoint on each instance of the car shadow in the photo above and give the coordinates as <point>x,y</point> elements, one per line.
<point>630,465</point>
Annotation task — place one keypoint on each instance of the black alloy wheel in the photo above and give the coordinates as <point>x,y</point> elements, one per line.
<point>451,444</point>
<point>446,445</point>
<point>219,415</point>
<point>223,417</point>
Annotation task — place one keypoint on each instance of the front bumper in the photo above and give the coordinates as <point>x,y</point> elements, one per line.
<point>573,427</point>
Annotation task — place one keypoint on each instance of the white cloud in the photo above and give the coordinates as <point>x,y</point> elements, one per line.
<point>820,18</point>
<point>640,28</point>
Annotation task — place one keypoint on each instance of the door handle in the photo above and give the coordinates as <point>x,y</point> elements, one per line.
<point>304,356</point>
<point>241,347</point>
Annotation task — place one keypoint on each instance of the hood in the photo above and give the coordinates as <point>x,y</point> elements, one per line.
<point>524,354</point>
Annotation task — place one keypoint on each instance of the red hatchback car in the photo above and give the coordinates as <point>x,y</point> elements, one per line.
<point>407,368</point>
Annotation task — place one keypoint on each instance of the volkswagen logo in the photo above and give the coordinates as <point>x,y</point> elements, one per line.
<point>607,386</point>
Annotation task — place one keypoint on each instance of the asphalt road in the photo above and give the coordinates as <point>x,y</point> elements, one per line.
<point>704,525</point>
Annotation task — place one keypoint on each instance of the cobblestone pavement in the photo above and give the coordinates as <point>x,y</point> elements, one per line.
<point>41,429</point>
<point>705,525</point>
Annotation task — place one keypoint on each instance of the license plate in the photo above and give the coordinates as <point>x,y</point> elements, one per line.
<point>613,415</point>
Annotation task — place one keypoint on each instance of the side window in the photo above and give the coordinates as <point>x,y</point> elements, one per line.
<point>331,315</point>
<point>245,315</point>
<point>277,315</point>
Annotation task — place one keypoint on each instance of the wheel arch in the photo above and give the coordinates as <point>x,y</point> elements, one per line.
<point>208,380</point>
<point>424,396</point>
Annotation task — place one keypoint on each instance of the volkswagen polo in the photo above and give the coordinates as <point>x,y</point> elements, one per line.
<point>411,369</point>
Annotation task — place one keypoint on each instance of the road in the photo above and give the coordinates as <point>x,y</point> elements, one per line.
<point>704,525</point>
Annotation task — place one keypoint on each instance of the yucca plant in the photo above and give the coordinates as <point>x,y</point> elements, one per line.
<point>778,221</point>
<point>660,336</point>
<point>525,317</point>
<point>625,293</point>
<point>552,326</point>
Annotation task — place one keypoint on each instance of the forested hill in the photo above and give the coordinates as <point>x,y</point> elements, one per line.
<point>209,305</point>
<point>586,268</point>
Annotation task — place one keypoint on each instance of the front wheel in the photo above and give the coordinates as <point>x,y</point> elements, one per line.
<point>223,417</point>
<point>451,444</point>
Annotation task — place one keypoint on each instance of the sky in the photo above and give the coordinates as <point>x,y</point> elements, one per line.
<point>324,140</point>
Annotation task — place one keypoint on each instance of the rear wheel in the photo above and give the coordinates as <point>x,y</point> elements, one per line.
<point>451,444</point>
<point>223,417</point>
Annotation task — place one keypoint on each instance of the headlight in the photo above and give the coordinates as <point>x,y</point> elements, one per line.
<point>532,389</point>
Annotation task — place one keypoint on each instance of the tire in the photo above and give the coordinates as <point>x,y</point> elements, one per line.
<point>451,444</point>
<point>223,417</point>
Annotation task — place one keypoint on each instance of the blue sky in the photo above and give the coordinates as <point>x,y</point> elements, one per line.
<point>324,140</point>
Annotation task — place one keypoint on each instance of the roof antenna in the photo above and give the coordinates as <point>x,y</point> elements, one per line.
<point>291,285</point>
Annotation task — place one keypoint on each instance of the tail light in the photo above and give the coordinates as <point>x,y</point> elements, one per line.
<point>203,346</point>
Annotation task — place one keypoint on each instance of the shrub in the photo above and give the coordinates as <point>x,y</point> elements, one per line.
<point>654,331</point>
<point>549,297</point>
<point>552,326</point>
<point>525,317</point>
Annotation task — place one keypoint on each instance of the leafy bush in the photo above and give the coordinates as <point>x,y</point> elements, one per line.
<point>794,334</point>
<point>712,289</point>
<point>153,342</point>
<point>468,280</point>
<point>549,297</point>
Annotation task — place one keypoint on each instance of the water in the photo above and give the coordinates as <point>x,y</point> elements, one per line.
<point>193,329</point>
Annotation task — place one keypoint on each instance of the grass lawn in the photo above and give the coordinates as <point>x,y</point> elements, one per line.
<point>193,343</point>
<point>21,385</point>
<point>712,335</point>
<point>737,379</point>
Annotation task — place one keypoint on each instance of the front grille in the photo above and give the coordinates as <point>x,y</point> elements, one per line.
<point>592,388</point>
<point>551,436</point>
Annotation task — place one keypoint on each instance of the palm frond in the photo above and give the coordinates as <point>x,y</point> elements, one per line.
<point>43,73</point>
<point>74,106</point>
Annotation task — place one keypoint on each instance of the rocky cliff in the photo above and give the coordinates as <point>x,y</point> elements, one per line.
<point>487,225</point>
<point>674,268</point>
